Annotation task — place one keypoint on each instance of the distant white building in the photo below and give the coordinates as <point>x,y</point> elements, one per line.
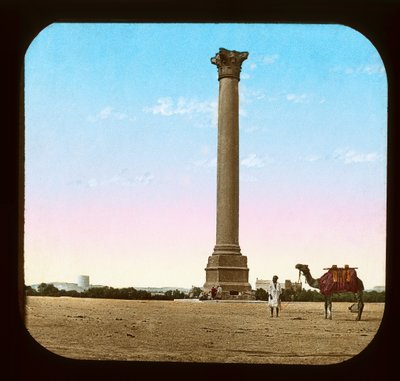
<point>82,285</point>
<point>83,282</point>
<point>264,284</point>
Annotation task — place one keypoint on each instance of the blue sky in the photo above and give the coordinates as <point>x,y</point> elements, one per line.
<point>121,134</point>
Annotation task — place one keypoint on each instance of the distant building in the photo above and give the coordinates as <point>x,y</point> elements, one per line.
<point>295,286</point>
<point>264,284</point>
<point>83,282</point>
<point>288,285</point>
<point>82,285</point>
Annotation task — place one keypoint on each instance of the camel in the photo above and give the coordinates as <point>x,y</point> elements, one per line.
<point>336,280</point>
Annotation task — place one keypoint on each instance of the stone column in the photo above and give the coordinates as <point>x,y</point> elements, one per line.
<point>227,267</point>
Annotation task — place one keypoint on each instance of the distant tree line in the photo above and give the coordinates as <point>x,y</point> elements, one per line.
<point>105,292</point>
<point>315,296</point>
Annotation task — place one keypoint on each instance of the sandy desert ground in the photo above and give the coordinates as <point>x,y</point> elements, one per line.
<point>193,331</point>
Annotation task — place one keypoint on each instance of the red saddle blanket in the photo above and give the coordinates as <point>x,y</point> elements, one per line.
<point>338,280</point>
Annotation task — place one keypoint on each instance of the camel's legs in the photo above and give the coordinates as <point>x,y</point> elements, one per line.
<point>328,307</point>
<point>360,302</point>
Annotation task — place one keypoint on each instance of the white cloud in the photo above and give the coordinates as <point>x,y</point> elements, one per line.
<point>105,113</point>
<point>163,107</point>
<point>248,96</point>
<point>167,107</point>
<point>249,128</point>
<point>349,156</point>
<point>120,179</point>
<point>304,98</point>
<point>373,69</point>
<point>273,98</point>
<point>310,158</point>
<point>245,178</point>
<point>109,113</point>
<point>205,149</point>
<point>124,180</point>
<point>254,161</point>
<point>206,162</point>
<point>298,98</point>
<point>270,59</point>
<point>145,178</point>
<point>368,69</point>
<point>92,183</point>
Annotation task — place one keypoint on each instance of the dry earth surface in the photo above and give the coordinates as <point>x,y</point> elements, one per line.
<point>193,331</point>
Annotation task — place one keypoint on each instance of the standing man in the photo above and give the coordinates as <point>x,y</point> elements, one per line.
<point>219,292</point>
<point>213,292</point>
<point>274,296</point>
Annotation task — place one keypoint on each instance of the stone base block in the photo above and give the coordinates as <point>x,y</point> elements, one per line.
<point>230,271</point>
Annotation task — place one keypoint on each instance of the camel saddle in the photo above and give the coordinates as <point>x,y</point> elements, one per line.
<point>338,279</point>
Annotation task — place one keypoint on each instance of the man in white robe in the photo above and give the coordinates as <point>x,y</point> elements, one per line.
<point>274,296</point>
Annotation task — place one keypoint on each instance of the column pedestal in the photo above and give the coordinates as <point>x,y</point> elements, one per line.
<point>229,271</point>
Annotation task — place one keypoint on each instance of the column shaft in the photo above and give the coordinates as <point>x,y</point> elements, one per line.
<point>228,166</point>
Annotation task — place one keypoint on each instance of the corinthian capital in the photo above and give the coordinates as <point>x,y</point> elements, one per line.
<point>229,63</point>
